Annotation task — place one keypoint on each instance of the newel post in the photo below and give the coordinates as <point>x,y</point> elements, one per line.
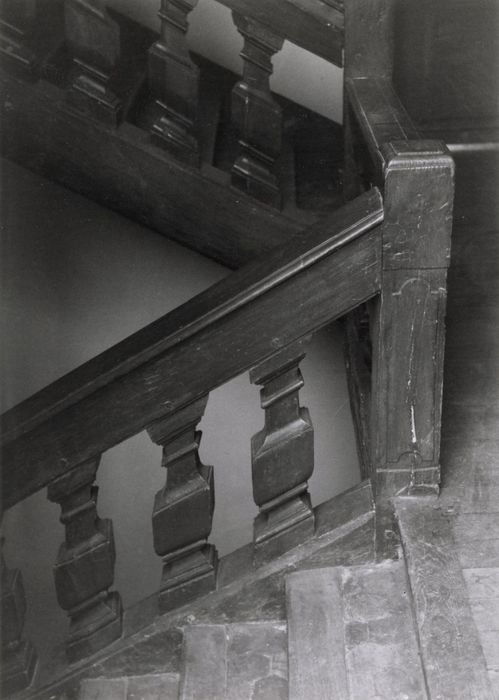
<point>84,570</point>
<point>183,510</point>
<point>408,329</point>
<point>282,456</point>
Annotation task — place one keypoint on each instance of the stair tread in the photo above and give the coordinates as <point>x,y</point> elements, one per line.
<point>451,651</point>
<point>381,646</point>
<point>151,686</point>
<point>239,661</point>
<point>353,623</point>
<point>315,642</point>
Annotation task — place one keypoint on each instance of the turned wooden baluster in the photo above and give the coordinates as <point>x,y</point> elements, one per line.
<point>93,39</point>
<point>17,18</point>
<point>174,82</point>
<point>183,510</point>
<point>256,116</point>
<point>18,655</point>
<point>85,566</point>
<point>282,457</point>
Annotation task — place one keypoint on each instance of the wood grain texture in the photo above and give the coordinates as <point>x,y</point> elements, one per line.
<point>237,323</point>
<point>452,654</point>
<point>244,661</point>
<point>408,323</point>
<point>381,645</point>
<point>316,644</point>
<point>477,539</point>
<point>204,663</point>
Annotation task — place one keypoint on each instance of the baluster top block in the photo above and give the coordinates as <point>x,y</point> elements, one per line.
<point>288,356</point>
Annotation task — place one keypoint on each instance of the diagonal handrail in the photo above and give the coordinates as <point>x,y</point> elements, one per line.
<point>215,336</point>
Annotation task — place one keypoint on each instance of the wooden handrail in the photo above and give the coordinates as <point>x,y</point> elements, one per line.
<point>311,24</point>
<point>380,115</point>
<point>222,332</point>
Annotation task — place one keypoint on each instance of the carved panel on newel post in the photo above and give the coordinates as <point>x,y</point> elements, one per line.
<point>409,321</point>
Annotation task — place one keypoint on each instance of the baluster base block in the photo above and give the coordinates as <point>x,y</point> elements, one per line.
<point>95,627</point>
<point>94,99</point>
<point>282,528</point>
<point>18,668</point>
<point>187,577</point>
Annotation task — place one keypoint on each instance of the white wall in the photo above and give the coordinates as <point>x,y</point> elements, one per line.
<point>298,74</point>
<point>77,278</point>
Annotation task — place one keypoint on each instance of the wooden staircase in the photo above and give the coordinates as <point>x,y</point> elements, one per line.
<point>380,603</point>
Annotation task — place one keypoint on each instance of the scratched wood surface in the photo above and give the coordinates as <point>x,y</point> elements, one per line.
<point>351,634</point>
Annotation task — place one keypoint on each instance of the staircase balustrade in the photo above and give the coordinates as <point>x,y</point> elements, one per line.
<point>113,74</point>
<point>245,321</point>
<point>382,256</point>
